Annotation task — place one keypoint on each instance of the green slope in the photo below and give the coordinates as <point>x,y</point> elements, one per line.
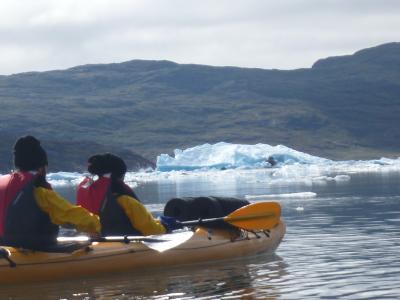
<point>342,107</point>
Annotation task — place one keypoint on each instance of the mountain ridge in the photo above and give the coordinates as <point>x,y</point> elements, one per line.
<point>341,108</point>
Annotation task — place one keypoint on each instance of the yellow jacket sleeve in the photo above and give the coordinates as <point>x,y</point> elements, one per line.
<point>62,212</point>
<point>140,218</point>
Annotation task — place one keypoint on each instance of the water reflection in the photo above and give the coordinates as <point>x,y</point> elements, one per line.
<point>344,244</point>
<point>249,278</point>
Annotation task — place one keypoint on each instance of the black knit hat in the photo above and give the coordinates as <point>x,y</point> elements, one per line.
<point>101,164</point>
<point>28,154</point>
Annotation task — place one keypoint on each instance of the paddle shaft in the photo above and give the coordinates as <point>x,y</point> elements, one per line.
<point>121,238</point>
<point>126,239</point>
<point>159,243</point>
<point>204,222</point>
<point>227,219</point>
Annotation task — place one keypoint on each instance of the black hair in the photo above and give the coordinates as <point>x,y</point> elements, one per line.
<point>101,164</point>
<point>29,154</point>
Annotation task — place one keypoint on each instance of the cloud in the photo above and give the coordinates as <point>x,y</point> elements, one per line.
<point>286,34</point>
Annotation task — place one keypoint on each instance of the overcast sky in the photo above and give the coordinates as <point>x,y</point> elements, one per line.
<point>282,34</point>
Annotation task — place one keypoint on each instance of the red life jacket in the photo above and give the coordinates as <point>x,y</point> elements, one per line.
<point>10,186</point>
<point>23,223</point>
<point>98,198</point>
<point>91,194</point>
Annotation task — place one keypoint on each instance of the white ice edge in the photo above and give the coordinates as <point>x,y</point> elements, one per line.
<point>223,162</point>
<point>302,195</point>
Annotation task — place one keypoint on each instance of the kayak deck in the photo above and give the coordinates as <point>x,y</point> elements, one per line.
<point>106,257</point>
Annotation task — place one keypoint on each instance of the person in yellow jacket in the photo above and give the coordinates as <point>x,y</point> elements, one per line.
<point>119,208</point>
<point>30,211</point>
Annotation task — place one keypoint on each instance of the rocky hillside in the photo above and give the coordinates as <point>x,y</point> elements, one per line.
<point>343,107</point>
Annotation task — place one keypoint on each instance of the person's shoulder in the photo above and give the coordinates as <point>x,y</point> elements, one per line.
<point>5,176</point>
<point>127,199</point>
<point>43,190</point>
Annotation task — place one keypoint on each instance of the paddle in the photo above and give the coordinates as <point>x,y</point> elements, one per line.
<point>159,243</point>
<point>4,253</point>
<point>255,216</point>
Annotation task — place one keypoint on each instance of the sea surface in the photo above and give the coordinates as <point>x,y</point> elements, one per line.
<point>342,241</point>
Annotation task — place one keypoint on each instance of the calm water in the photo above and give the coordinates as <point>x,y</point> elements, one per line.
<point>343,243</point>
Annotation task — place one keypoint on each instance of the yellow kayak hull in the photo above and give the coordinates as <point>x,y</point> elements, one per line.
<point>111,257</point>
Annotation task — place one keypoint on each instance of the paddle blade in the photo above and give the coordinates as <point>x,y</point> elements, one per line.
<point>256,216</point>
<point>169,241</point>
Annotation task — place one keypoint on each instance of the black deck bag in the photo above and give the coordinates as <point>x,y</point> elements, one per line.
<point>194,208</point>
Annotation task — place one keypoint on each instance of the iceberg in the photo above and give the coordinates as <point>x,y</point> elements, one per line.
<point>231,156</point>
<point>225,163</point>
<point>64,178</point>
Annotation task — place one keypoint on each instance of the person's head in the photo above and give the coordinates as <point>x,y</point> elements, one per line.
<point>29,154</point>
<point>101,164</point>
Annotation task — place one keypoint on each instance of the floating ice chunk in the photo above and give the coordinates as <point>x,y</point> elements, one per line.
<point>224,163</point>
<point>64,178</point>
<point>342,178</point>
<point>300,208</point>
<point>275,196</point>
<point>226,156</point>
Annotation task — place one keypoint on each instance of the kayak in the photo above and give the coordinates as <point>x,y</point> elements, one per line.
<point>179,248</point>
